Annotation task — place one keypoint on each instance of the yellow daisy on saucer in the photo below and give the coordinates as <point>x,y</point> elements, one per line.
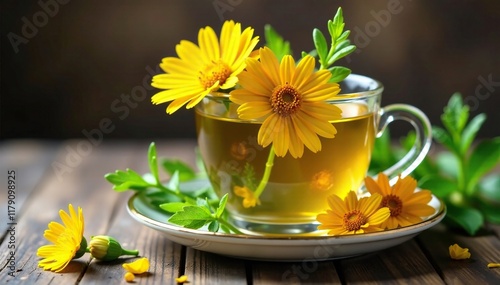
<point>67,241</point>
<point>407,205</point>
<point>353,216</point>
<point>290,99</point>
<point>199,70</point>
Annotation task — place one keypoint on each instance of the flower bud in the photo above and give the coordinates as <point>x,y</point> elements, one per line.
<point>107,248</point>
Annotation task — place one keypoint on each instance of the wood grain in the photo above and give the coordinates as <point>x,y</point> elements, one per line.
<point>423,260</point>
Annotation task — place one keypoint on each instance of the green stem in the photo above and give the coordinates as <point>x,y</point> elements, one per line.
<point>176,193</point>
<point>230,226</point>
<point>267,173</point>
<point>133,252</point>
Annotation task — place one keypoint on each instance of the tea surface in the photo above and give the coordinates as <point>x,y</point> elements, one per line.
<point>298,188</point>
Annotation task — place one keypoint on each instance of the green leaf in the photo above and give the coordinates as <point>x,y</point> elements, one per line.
<point>470,219</point>
<point>341,53</point>
<point>490,212</point>
<point>125,180</point>
<point>447,164</point>
<point>173,207</point>
<point>203,202</point>
<point>193,217</point>
<point>173,182</point>
<point>455,115</point>
<point>442,137</point>
<point>222,206</point>
<point>489,189</point>
<point>153,164</point>
<point>339,73</point>
<point>276,43</point>
<point>337,26</point>
<point>440,186</point>
<point>484,157</point>
<point>249,176</point>
<point>320,44</point>
<point>470,132</point>
<point>213,226</point>
<point>185,172</point>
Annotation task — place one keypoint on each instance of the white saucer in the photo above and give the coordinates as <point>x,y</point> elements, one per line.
<point>277,248</point>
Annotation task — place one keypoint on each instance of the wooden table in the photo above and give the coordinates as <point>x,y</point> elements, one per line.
<point>50,175</point>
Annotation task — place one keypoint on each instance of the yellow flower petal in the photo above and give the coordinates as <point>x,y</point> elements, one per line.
<point>199,70</point>
<point>129,276</point>
<point>66,240</point>
<point>353,216</point>
<point>181,279</point>
<point>407,205</point>
<point>295,116</point>
<point>458,253</point>
<point>138,266</point>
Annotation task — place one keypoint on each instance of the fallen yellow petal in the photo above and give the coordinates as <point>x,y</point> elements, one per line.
<point>493,265</point>
<point>129,276</point>
<point>181,279</point>
<point>456,252</point>
<point>139,266</point>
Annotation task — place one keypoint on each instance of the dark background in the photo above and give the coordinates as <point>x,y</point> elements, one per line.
<point>68,69</point>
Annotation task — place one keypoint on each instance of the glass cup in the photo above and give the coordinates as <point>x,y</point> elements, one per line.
<point>298,188</point>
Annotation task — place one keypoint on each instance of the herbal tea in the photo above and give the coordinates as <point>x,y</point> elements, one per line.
<point>298,188</point>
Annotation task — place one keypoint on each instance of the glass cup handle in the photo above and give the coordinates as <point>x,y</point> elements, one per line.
<point>423,137</point>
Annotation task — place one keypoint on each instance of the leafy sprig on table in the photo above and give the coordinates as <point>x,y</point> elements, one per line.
<point>460,174</point>
<point>190,209</point>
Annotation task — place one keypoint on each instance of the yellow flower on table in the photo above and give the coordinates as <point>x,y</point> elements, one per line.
<point>67,241</point>
<point>291,100</point>
<point>407,205</point>
<point>206,68</point>
<point>353,216</point>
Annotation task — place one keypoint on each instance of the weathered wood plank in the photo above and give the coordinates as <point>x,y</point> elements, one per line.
<point>83,186</point>
<point>207,268</point>
<point>309,271</point>
<point>164,256</point>
<point>166,260</point>
<point>404,263</point>
<point>484,248</point>
<point>29,160</point>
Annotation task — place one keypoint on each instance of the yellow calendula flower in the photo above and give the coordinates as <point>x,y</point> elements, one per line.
<point>199,70</point>
<point>407,205</point>
<point>353,216</point>
<point>138,266</point>
<point>291,99</point>
<point>456,252</point>
<point>249,199</point>
<point>181,279</point>
<point>67,241</point>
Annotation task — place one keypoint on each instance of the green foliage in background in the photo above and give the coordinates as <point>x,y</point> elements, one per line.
<point>460,174</point>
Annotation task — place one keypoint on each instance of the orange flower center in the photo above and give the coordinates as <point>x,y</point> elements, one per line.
<point>394,204</point>
<point>285,100</point>
<point>353,220</point>
<point>217,71</point>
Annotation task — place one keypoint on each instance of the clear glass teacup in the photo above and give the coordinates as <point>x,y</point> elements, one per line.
<point>298,188</point>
